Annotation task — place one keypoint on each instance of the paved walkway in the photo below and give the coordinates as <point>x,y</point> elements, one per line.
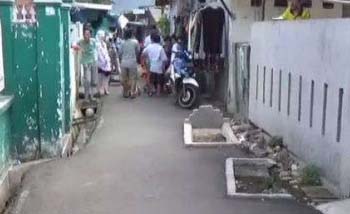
<point>136,164</point>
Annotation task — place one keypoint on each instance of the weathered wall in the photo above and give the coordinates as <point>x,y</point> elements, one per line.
<point>5,126</point>
<point>300,82</point>
<point>5,132</point>
<point>246,16</point>
<point>37,72</point>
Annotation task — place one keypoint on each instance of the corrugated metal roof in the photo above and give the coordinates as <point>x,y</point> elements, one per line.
<point>120,6</point>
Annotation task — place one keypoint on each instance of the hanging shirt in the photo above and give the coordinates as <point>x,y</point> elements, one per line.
<point>157,57</point>
<point>288,15</point>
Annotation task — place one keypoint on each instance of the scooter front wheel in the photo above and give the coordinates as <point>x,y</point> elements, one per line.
<point>188,97</point>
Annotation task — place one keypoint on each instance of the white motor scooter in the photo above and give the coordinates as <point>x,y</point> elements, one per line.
<point>183,80</point>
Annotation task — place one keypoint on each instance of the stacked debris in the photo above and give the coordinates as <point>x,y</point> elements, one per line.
<point>300,180</point>
<point>252,139</point>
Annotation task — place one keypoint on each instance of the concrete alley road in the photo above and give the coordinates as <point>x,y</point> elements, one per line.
<point>137,164</point>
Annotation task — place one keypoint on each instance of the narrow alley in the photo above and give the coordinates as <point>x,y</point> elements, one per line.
<point>136,163</point>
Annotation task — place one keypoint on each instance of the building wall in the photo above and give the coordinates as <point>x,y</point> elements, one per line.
<point>5,132</point>
<point>240,31</point>
<point>247,15</point>
<point>300,82</point>
<point>35,72</point>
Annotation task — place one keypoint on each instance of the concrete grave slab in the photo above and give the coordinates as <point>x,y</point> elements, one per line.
<point>207,121</point>
<point>318,192</point>
<point>207,117</point>
<point>231,182</point>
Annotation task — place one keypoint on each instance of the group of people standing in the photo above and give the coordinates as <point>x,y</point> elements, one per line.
<point>99,58</point>
<point>125,55</point>
<point>154,57</point>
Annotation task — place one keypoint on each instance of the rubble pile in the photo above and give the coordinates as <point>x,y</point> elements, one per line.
<point>254,141</point>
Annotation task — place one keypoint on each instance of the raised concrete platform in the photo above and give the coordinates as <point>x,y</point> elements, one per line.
<point>231,178</point>
<point>208,118</point>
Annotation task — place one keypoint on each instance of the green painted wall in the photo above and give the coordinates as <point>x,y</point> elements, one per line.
<point>24,86</point>
<point>6,11</point>
<point>21,81</point>
<point>5,139</point>
<point>50,76</point>
<point>5,132</point>
<point>68,105</point>
<point>37,73</point>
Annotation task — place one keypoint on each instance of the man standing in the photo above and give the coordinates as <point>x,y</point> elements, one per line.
<point>157,58</point>
<point>148,39</point>
<point>129,52</point>
<point>87,46</point>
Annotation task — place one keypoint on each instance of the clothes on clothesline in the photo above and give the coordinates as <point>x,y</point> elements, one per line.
<point>213,28</point>
<point>207,34</point>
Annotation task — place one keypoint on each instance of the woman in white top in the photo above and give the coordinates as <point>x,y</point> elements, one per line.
<point>103,63</point>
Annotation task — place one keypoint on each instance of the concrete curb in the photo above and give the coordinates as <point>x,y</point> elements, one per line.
<point>68,141</point>
<point>226,130</point>
<point>231,184</point>
<point>67,145</point>
<point>230,174</point>
<point>12,179</point>
<point>338,207</point>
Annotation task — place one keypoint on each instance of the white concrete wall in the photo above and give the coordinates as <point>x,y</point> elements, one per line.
<point>240,29</point>
<point>247,15</point>
<point>318,51</point>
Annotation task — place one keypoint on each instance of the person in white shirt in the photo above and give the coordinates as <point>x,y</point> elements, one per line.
<point>157,59</point>
<point>176,47</point>
<point>148,39</point>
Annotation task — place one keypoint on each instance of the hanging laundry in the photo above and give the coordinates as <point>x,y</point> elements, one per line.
<point>207,30</point>
<point>213,27</point>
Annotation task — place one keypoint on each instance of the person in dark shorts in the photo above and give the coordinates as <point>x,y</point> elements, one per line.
<point>157,59</point>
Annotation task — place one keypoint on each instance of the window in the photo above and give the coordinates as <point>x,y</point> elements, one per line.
<point>327,5</point>
<point>24,11</point>
<point>346,11</point>
<point>308,3</point>
<point>281,3</point>
<point>255,3</point>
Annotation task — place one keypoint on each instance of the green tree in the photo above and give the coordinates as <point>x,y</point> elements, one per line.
<point>164,25</point>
